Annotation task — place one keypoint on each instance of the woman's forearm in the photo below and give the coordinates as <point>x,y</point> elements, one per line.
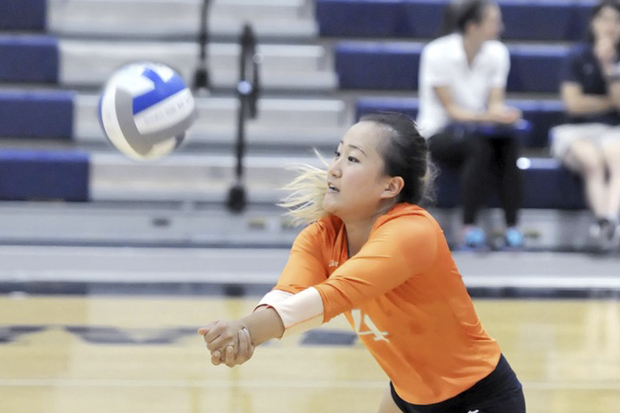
<point>263,324</point>
<point>588,105</point>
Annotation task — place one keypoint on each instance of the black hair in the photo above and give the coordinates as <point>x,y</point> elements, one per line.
<point>614,4</point>
<point>460,13</point>
<point>405,154</point>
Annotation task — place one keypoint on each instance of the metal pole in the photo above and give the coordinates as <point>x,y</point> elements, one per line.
<point>201,77</point>
<point>247,92</point>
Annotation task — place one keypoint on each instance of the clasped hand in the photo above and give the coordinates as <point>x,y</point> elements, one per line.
<point>506,115</point>
<point>228,341</point>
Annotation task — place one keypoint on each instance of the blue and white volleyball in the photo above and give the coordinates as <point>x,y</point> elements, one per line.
<point>145,110</point>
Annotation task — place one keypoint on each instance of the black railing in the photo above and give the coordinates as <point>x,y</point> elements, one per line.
<point>248,90</point>
<point>201,76</point>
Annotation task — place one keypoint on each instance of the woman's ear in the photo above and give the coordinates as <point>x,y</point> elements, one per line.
<point>393,187</point>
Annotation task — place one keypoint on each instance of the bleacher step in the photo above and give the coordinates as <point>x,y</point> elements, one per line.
<point>285,19</point>
<point>201,177</point>
<point>288,67</point>
<point>281,122</point>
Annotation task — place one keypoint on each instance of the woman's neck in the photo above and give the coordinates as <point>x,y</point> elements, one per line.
<point>472,47</point>
<point>357,235</point>
<point>358,231</point>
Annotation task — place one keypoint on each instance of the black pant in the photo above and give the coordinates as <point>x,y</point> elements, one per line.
<point>499,392</point>
<point>481,161</point>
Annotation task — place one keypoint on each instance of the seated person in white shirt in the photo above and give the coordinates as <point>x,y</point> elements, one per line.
<point>462,81</point>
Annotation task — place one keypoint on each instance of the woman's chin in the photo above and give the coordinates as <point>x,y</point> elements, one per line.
<point>328,206</point>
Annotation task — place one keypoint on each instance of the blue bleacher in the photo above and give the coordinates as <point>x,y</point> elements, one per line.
<point>547,20</point>
<point>28,59</point>
<point>36,114</point>
<point>542,114</point>
<point>374,65</point>
<point>538,178</point>
<point>395,66</point>
<point>23,15</point>
<point>358,18</point>
<point>44,175</point>
<point>535,68</point>
<point>557,20</point>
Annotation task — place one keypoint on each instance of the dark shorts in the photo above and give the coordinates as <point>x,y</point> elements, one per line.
<point>499,392</point>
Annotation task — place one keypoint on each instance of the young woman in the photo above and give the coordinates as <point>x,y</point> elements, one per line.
<point>462,83</point>
<point>589,143</point>
<point>372,253</point>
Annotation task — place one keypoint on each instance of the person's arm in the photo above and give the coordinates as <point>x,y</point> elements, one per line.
<point>303,269</point>
<point>436,77</point>
<point>262,325</point>
<point>605,50</point>
<point>497,111</point>
<point>614,92</point>
<point>455,112</point>
<point>226,343</point>
<point>577,103</point>
<point>397,251</point>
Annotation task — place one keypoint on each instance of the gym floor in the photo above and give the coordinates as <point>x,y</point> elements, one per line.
<point>80,335</point>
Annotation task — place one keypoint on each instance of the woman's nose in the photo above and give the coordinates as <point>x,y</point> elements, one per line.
<point>334,168</point>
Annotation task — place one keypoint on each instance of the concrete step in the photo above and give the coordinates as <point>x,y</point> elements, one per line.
<point>180,224</point>
<point>247,266</point>
<point>284,19</point>
<point>288,67</point>
<point>180,176</point>
<point>132,223</point>
<point>281,123</point>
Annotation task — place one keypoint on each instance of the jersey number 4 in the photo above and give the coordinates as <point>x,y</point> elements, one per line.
<point>364,326</point>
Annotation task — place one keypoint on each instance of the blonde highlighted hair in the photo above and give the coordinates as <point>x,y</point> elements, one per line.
<point>306,192</point>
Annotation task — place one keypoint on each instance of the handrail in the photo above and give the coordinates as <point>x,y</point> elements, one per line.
<point>248,92</point>
<point>202,82</point>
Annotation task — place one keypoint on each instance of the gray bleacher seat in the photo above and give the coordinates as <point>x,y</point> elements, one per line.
<point>284,20</point>
<point>86,64</point>
<point>284,125</point>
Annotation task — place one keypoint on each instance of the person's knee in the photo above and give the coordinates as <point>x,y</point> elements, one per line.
<point>587,157</point>
<point>612,157</point>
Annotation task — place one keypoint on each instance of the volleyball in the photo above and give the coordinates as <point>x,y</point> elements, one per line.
<point>145,109</point>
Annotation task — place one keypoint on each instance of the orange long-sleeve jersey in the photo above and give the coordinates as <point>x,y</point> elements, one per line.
<point>404,297</point>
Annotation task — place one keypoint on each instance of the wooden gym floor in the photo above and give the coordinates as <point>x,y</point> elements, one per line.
<point>129,354</point>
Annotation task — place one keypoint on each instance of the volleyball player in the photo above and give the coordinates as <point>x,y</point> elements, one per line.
<point>371,252</point>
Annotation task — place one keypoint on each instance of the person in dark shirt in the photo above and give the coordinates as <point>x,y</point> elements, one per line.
<point>589,142</point>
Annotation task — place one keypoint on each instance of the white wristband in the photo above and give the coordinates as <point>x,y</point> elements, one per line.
<point>300,312</point>
<point>273,297</point>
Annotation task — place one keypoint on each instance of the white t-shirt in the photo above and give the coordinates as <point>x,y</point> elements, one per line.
<point>443,63</point>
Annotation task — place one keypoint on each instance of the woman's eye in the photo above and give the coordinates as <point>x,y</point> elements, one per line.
<point>336,154</point>
<point>352,159</point>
